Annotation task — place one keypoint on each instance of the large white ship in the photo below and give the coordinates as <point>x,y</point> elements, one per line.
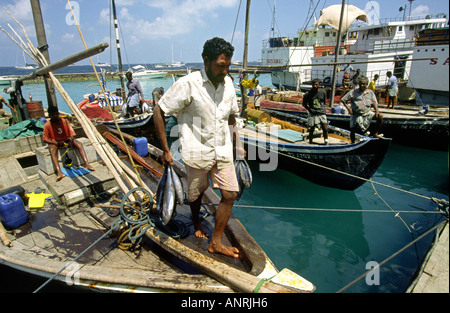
<point>430,78</point>
<point>374,47</point>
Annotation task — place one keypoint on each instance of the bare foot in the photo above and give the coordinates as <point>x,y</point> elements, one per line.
<point>220,248</point>
<point>60,176</point>
<point>89,167</point>
<point>200,232</point>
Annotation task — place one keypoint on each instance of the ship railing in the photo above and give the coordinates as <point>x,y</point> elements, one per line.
<point>380,46</point>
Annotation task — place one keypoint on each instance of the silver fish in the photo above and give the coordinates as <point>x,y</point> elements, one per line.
<point>160,192</point>
<point>179,192</point>
<point>169,202</point>
<point>249,171</point>
<point>237,169</point>
<point>244,175</point>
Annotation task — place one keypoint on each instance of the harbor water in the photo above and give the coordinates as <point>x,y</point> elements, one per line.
<point>329,236</point>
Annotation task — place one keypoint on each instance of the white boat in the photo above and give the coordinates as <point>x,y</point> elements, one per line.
<point>101,64</point>
<point>430,77</point>
<point>143,72</point>
<point>26,65</point>
<point>367,45</point>
<point>176,63</point>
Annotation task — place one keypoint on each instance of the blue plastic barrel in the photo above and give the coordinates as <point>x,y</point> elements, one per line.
<point>12,211</point>
<point>140,145</point>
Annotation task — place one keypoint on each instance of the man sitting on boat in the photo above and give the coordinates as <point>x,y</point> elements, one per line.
<point>134,90</point>
<point>362,99</point>
<point>314,101</point>
<point>205,104</point>
<point>59,134</point>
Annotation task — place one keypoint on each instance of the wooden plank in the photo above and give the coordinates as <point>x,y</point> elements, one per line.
<point>235,279</point>
<point>288,135</point>
<point>11,173</point>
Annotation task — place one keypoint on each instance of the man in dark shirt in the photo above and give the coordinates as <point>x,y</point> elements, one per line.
<point>314,101</point>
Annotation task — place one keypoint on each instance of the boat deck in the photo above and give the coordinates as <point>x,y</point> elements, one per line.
<point>57,233</point>
<point>286,136</point>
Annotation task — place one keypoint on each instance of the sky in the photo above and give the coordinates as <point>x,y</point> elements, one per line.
<point>151,31</point>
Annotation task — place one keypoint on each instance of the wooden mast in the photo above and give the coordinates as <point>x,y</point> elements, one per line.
<point>244,98</point>
<point>336,55</point>
<point>43,47</point>
<point>119,56</point>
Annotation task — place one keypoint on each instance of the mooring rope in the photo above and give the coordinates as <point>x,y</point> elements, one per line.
<point>442,224</point>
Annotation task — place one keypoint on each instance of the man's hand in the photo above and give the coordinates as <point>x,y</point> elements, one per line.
<point>167,159</point>
<point>240,152</point>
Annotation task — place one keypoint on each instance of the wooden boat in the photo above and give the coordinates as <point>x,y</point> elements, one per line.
<point>137,121</point>
<point>340,164</point>
<point>102,115</point>
<point>76,216</point>
<point>404,126</point>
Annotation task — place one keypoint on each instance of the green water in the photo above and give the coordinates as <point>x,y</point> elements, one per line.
<point>329,248</point>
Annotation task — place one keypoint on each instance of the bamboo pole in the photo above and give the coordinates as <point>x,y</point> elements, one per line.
<point>4,236</point>
<point>119,170</point>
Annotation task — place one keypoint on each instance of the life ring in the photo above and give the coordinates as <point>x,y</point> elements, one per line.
<point>326,80</point>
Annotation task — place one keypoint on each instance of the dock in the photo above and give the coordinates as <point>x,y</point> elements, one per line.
<point>434,277</point>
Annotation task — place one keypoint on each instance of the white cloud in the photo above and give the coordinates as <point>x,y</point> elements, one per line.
<point>420,10</point>
<point>68,37</point>
<point>20,9</point>
<point>177,17</point>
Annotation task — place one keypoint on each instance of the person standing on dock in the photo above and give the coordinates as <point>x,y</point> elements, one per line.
<point>59,134</point>
<point>362,99</point>
<point>257,95</point>
<point>134,90</point>
<point>392,89</point>
<point>373,82</point>
<point>314,101</point>
<point>205,104</point>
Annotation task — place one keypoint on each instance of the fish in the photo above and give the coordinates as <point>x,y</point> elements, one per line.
<point>160,192</point>
<point>179,191</point>
<point>244,176</point>
<point>169,201</point>
<point>249,172</point>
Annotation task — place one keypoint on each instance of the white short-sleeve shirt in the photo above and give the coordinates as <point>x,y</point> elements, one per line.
<point>202,112</point>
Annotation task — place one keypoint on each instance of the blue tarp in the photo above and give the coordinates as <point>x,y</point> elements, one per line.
<point>22,129</point>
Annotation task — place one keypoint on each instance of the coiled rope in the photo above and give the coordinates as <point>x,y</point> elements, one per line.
<point>137,215</point>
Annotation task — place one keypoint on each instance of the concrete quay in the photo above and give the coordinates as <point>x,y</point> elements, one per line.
<point>435,275</point>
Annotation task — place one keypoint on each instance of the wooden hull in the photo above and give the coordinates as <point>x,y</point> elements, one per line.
<point>131,123</point>
<point>336,166</point>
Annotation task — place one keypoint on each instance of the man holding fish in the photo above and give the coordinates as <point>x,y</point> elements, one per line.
<point>205,103</point>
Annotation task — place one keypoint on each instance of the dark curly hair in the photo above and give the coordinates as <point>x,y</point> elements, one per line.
<point>215,47</point>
